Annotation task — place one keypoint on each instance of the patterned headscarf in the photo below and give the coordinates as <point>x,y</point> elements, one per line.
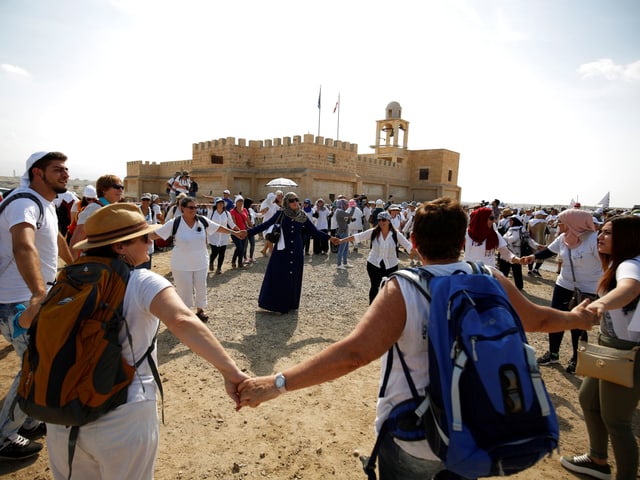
<point>479,229</point>
<point>579,224</point>
<point>296,215</point>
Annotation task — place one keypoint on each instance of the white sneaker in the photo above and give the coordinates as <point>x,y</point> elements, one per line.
<point>341,267</point>
<point>348,265</point>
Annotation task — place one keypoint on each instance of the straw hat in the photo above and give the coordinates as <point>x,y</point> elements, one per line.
<point>114,223</point>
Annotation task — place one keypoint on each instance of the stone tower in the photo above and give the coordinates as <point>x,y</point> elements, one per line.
<point>392,135</point>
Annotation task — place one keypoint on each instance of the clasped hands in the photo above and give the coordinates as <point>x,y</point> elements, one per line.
<point>251,392</point>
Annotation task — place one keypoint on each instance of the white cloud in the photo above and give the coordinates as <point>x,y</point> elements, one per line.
<point>14,70</point>
<point>607,68</point>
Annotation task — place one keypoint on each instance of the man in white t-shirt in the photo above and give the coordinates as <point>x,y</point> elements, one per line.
<point>29,248</point>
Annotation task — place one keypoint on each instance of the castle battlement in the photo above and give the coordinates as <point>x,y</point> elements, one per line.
<point>321,166</point>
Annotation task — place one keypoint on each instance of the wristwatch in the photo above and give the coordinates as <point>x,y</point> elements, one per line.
<point>280,382</point>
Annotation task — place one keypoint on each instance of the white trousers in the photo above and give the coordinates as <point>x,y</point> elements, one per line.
<point>121,445</point>
<point>189,282</point>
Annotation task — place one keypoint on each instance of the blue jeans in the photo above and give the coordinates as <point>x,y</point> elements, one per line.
<point>10,426</point>
<point>343,251</point>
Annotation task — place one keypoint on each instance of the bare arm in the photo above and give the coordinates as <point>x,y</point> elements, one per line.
<point>64,252</point>
<point>626,290</point>
<point>183,323</point>
<point>78,234</point>
<point>23,237</point>
<point>379,328</point>
<point>538,318</point>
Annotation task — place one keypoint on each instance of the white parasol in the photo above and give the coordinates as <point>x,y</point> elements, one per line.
<point>281,182</point>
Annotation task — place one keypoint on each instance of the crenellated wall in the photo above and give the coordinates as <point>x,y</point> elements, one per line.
<point>322,167</point>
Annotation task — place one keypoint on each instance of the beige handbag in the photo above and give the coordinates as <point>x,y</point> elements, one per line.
<point>606,363</point>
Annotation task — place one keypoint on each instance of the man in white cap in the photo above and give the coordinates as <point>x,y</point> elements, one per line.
<point>29,248</point>
<point>228,203</point>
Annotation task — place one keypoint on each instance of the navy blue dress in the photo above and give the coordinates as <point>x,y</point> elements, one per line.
<point>282,283</point>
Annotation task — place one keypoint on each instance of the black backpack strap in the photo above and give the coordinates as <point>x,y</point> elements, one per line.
<point>203,221</point>
<point>73,439</point>
<point>30,196</point>
<point>154,369</point>
<point>176,224</point>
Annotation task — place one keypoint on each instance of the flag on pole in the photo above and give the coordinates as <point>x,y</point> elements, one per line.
<point>605,201</point>
<point>337,105</point>
<point>319,96</point>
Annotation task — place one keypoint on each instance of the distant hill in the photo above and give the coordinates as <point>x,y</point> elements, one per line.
<point>75,185</point>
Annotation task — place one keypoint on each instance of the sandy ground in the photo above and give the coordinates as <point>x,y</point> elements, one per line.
<point>312,434</point>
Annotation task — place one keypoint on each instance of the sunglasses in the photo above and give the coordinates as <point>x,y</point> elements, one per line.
<point>145,238</point>
<point>293,200</point>
<point>190,207</point>
<point>117,186</point>
<point>383,219</point>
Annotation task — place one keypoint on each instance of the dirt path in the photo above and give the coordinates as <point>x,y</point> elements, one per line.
<point>317,433</point>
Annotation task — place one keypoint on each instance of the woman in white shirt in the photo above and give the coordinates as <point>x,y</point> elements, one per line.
<point>190,256</point>
<point>608,408</point>
<point>383,257</point>
<point>577,247</point>
<point>123,443</point>
<point>321,214</point>
<point>482,240</point>
<point>218,240</point>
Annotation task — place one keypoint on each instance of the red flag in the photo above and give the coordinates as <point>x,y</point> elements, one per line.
<point>336,107</point>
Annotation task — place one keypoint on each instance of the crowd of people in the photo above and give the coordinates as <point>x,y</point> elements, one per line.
<point>598,253</point>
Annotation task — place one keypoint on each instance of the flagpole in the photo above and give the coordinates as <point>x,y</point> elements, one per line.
<point>338,127</point>
<point>319,108</point>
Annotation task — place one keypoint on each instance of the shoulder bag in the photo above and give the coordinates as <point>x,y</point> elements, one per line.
<point>578,296</point>
<point>610,364</point>
<point>274,235</point>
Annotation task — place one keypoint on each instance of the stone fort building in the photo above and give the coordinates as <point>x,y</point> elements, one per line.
<point>322,167</point>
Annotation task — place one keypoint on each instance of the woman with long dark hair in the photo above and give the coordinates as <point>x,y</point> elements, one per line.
<point>608,408</point>
<point>383,257</point>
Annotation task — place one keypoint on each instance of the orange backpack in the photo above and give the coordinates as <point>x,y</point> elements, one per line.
<point>73,370</point>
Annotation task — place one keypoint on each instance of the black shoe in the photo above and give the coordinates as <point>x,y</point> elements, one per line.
<point>18,448</point>
<point>571,368</point>
<point>34,433</point>
<point>583,464</point>
<point>202,316</point>
<point>549,358</point>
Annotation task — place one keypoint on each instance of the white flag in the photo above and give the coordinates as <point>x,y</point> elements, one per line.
<point>604,203</point>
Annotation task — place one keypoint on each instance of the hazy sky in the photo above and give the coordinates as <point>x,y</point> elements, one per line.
<point>540,97</point>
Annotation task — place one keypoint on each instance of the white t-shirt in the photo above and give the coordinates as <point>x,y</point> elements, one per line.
<point>226,220</point>
<point>586,263</point>
<point>615,322</point>
<point>144,285</point>
<point>321,221</point>
<point>13,289</point>
<point>383,248</point>
<point>88,210</point>
<point>356,224</point>
<point>479,253</point>
<point>414,350</point>
<point>190,252</point>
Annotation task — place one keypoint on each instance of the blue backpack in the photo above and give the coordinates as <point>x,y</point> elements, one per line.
<point>486,411</point>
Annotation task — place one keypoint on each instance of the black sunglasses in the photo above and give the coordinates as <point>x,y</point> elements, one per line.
<point>117,186</point>
<point>291,200</point>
